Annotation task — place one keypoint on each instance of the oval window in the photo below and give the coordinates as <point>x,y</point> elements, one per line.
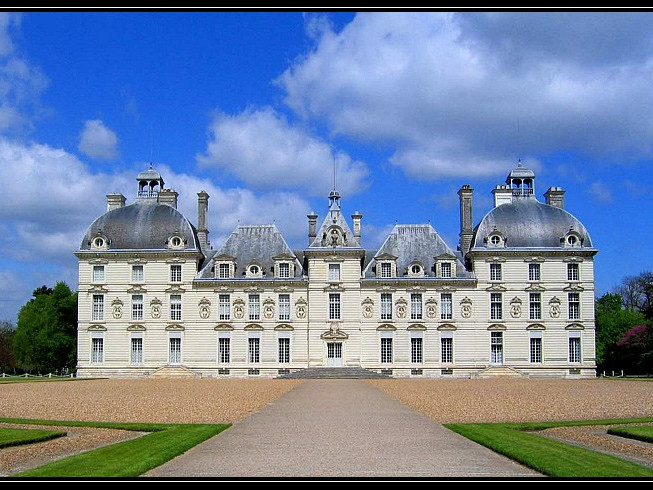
<point>98,242</point>
<point>495,240</point>
<point>416,269</point>
<point>572,240</point>
<point>253,269</point>
<point>176,241</point>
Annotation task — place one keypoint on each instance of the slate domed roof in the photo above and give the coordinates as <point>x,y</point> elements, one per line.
<point>143,225</point>
<point>528,223</point>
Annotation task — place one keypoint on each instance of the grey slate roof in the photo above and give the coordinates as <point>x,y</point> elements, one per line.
<point>415,242</point>
<point>528,223</point>
<point>253,243</point>
<point>143,225</point>
<point>339,221</point>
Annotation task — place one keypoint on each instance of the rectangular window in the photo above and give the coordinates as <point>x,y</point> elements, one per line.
<point>445,269</point>
<point>224,307</point>
<point>254,307</point>
<point>386,349</point>
<point>137,273</point>
<point>446,306</point>
<point>496,346</point>
<point>386,269</point>
<point>536,350</point>
<point>175,350</point>
<point>175,273</point>
<point>284,269</point>
<point>535,306</point>
<point>573,272</point>
<point>97,349</point>
<point>446,349</point>
<point>224,271</point>
<point>284,307</point>
<point>253,352</point>
<point>495,272</point>
<point>98,307</point>
<point>386,306</point>
<point>224,350</point>
<point>574,349</point>
<point>574,306</point>
<point>496,306</point>
<point>533,272</point>
<point>334,306</point>
<point>334,272</point>
<point>416,350</point>
<point>98,273</point>
<point>284,350</point>
<point>175,307</point>
<point>137,307</point>
<point>415,306</point>
<point>137,351</point>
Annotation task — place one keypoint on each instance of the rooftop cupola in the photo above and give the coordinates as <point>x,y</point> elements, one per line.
<point>522,181</point>
<point>150,183</point>
<point>334,204</point>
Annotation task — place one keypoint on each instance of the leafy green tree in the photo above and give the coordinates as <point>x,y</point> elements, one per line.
<point>7,360</point>
<point>46,333</point>
<point>612,323</point>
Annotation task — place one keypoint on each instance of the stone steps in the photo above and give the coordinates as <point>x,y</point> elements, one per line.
<point>500,372</point>
<point>174,372</point>
<point>335,373</point>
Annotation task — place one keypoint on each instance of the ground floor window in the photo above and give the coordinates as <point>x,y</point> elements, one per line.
<point>175,350</point>
<point>386,349</point>
<point>97,349</point>
<point>136,350</point>
<point>284,350</point>
<point>446,349</point>
<point>536,349</point>
<point>224,350</point>
<point>574,349</point>
<point>496,345</point>
<point>416,350</point>
<point>253,350</point>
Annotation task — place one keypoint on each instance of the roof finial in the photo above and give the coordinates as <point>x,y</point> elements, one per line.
<point>334,172</point>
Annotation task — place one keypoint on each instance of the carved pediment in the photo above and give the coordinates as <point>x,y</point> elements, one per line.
<point>223,327</point>
<point>300,301</point>
<point>175,260</point>
<point>496,326</point>
<point>334,287</point>
<point>535,287</point>
<point>223,289</point>
<point>575,326</point>
<point>496,288</point>
<point>446,327</point>
<point>334,335</point>
<point>97,261</point>
<point>137,261</point>
<point>253,289</point>
<point>175,289</point>
<point>367,301</point>
<point>284,327</point>
<point>155,301</point>
<point>535,259</point>
<point>386,288</point>
<point>416,288</point>
<point>495,259</point>
<point>573,287</point>
<point>136,289</point>
<point>175,327</point>
<point>136,328</point>
<point>431,301</point>
<point>253,327</point>
<point>98,289</point>
<point>573,259</point>
<point>445,256</point>
<point>283,289</point>
<point>386,328</point>
<point>447,288</point>
<point>224,258</point>
<point>401,301</point>
<point>416,327</point>
<point>536,326</point>
<point>97,328</point>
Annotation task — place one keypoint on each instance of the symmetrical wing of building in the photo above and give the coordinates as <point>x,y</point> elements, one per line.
<point>517,294</point>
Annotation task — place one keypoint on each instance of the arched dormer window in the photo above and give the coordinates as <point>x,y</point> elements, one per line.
<point>176,242</point>
<point>415,269</point>
<point>99,242</point>
<point>572,239</point>
<point>254,270</point>
<point>495,239</point>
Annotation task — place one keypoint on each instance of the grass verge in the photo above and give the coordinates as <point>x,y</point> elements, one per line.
<point>4,381</point>
<point>124,459</point>
<point>17,437</point>
<point>641,433</point>
<point>551,457</point>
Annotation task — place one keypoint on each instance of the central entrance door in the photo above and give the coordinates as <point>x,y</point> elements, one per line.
<point>334,354</point>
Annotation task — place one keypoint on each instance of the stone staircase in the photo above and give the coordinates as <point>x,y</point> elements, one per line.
<point>499,372</point>
<point>174,372</point>
<point>334,373</point>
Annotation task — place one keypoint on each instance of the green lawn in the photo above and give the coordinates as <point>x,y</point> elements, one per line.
<point>550,457</point>
<point>39,380</point>
<point>16,437</point>
<point>128,458</point>
<point>641,433</point>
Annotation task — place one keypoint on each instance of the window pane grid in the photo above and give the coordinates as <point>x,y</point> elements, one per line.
<point>533,272</point>
<point>574,306</point>
<point>137,350</point>
<point>224,347</point>
<point>284,350</point>
<point>536,350</point>
<point>224,307</point>
<point>98,273</point>
<point>254,307</point>
<point>284,307</point>
<point>386,350</point>
<point>446,306</point>
<point>334,306</point>
<point>137,273</point>
<point>445,269</point>
<point>574,349</point>
<point>386,269</point>
<point>253,350</point>
<point>223,271</point>
<point>535,306</point>
<point>495,272</point>
<point>334,272</point>
<point>175,273</point>
<point>97,350</point>
<point>175,307</point>
<point>137,307</point>
<point>496,306</point>
<point>572,272</point>
<point>415,306</point>
<point>98,307</point>
<point>386,306</point>
<point>446,345</point>
<point>284,270</point>
<point>175,350</point>
<point>416,350</point>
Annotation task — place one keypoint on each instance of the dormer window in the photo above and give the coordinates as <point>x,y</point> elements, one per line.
<point>496,240</point>
<point>284,270</point>
<point>415,269</point>
<point>386,269</point>
<point>386,265</point>
<point>445,269</point>
<point>175,242</point>
<point>571,239</point>
<point>445,265</point>
<point>99,243</point>
<point>224,271</point>
<point>254,270</point>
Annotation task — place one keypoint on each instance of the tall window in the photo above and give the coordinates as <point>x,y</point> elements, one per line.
<point>574,349</point>
<point>446,349</point>
<point>573,300</point>
<point>175,350</point>
<point>496,346</point>
<point>224,350</point>
<point>334,306</point>
<point>386,306</point>
<point>175,307</point>
<point>536,349</point>
<point>175,273</point>
<point>284,269</point>
<point>224,307</point>
<point>415,306</point>
<point>136,350</point>
<point>224,271</point>
<point>535,306</point>
<point>284,307</point>
<point>253,352</point>
<point>496,306</point>
<point>386,269</point>
<point>386,349</point>
<point>98,273</point>
<point>334,272</point>
<point>572,272</point>
<point>284,350</point>
<point>137,273</point>
<point>254,307</point>
<point>98,307</point>
<point>495,272</point>
<point>137,307</point>
<point>533,272</point>
<point>416,350</point>
<point>446,306</point>
<point>445,269</point>
<point>97,349</point>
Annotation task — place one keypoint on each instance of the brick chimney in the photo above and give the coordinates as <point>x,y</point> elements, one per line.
<point>466,220</point>
<point>202,220</point>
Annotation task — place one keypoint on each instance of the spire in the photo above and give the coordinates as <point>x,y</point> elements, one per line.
<point>334,196</point>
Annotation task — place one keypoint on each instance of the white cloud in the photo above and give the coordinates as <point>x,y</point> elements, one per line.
<point>373,236</point>
<point>264,151</point>
<point>600,192</point>
<point>463,93</point>
<point>97,141</point>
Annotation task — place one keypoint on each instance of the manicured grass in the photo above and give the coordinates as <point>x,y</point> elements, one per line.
<point>641,433</point>
<point>39,380</point>
<point>551,457</point>
<point>127,458</point>
<point>16,437</point>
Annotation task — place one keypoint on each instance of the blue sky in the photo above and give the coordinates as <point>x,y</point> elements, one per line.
<point>254,107</point>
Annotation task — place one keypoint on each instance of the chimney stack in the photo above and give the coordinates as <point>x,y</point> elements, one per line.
<point>356,217</point>
<point>555,196</point>
<point>168,197</point>
<point>312,224</point>
<point>115,201</point>
<point>466,221</point>
<point>202,221</point>
<point>502,195</point>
